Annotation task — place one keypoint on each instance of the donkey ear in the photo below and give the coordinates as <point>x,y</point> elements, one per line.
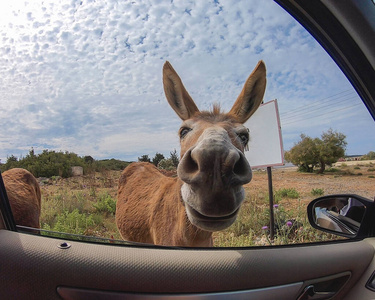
<point>252,94</point>
<point>177,96</point>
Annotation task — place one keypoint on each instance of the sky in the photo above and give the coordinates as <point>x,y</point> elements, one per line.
<point>86,76</point>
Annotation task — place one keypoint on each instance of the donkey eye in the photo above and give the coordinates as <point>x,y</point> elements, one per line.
<point>184,131</point>
<point>244,138</point>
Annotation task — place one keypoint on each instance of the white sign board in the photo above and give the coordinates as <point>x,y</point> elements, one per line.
<point>266,144</point>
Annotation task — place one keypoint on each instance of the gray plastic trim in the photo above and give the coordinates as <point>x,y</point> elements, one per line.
<point>289,291</point>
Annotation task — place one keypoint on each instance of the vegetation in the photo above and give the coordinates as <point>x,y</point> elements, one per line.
<point>144,158</point>
<point>86,205</point>
<point>52,163</point>
<point>252,226</point>
<point>83,205</point>
<point>369,156</point>
<point>160,161</point>
<point>108,164</point>
<point>174,158</point>
<point>170,163</point>
<point>287,192</point>
<point>309,153</point>
<point>317,192</point>
<point>46,164</point>
<point>157,158</point>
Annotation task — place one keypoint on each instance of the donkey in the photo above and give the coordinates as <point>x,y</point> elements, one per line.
<point>208,192</point>
<point>24,196</point>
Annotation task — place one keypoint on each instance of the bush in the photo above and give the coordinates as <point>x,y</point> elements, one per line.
<point>54,164</point>
<point>105,204</point>
<point>109,164</point>
<point>72,222</point>
<point>166,164</point>
<point>317,192</point>
<point>46,164</point>
<point>287,192</point>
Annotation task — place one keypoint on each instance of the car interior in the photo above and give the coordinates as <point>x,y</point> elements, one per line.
<point>36,266</point>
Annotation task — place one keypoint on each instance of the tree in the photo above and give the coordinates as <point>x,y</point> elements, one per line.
<point>369,156</point>
<point>88,159</point>
<point>331,147</point>
<point>12,162</point>
<point>144,158</point>
<point>310,153</point>
<point>166,164</point>
<point>304,154</point>
<point>157,158</point>
<point>174,158</point>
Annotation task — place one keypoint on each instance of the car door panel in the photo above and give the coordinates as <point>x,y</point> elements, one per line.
<point>359,290</point>
<point>42,266</point>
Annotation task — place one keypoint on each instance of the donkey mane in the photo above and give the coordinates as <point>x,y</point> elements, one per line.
<point>216,115</point>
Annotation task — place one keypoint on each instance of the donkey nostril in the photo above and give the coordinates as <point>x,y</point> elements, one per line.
<point>242,170</point>
<point>187,168</point>
<point>190,165</point>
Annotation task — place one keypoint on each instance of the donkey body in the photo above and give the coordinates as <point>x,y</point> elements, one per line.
<point>208,192</point>
<point>24,196</point>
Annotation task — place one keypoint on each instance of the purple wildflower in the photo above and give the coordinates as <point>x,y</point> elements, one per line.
<point>289,224</point>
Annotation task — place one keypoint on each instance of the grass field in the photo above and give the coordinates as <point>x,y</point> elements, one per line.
<point>86,205</point>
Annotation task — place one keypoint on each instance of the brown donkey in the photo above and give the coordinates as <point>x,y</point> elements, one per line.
<point>208,192</point>
<point>24,196</point>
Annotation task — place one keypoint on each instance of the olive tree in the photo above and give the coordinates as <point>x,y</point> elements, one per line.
<point>331,147</point>
<point>309,152</point>
<point>304,154</point>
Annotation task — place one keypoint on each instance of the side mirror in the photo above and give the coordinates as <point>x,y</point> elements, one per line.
<point>345,215</point>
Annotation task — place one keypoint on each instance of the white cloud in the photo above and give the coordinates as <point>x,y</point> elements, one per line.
<point>85,76</point>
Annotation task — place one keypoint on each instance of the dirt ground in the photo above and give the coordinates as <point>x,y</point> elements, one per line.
<point>356,178</point>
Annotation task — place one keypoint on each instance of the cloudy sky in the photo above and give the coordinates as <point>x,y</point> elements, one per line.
<point>85,76</point>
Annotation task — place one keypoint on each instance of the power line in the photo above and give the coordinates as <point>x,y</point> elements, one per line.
<point>319,103</point>
<point>321,115</point>
<point>320,108</point>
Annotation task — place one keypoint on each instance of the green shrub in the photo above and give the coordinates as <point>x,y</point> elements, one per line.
<point>287,192</point>
<point>105,204</point>
<point>371,176</point>
<point>332,170</point>
<point>166,164</point>
<point>72,222</point>
<point>357,168</point>
<point>109,164</point>
<point>371,170</point>
<point>317,192</point>
<point>59,164</point>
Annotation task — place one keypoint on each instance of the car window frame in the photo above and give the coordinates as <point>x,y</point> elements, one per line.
<point>335,39</point>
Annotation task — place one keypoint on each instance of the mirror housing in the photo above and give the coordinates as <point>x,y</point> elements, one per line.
<point>346,215</point>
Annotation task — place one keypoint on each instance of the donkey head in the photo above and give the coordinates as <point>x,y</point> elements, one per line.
<point>213,167</point>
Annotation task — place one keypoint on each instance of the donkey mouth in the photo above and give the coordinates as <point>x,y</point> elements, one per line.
<point>210,223</point>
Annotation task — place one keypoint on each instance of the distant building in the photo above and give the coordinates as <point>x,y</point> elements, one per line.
<point>351,158</point>
<point>77,171</point>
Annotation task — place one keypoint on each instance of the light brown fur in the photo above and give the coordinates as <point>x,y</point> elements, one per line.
<point>208,192</point>
<point>24,196</point>
<point>156,209</point>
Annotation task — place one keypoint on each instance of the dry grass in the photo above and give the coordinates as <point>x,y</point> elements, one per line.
<point>82,204</point>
